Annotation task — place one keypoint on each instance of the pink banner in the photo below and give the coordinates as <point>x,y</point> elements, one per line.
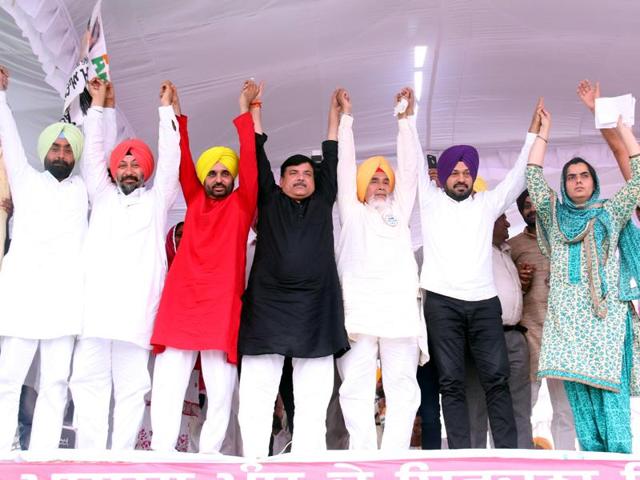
<point>485,468</point>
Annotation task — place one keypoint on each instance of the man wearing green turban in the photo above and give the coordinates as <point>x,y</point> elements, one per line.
<point>59,145</point>
<point>40,274</point>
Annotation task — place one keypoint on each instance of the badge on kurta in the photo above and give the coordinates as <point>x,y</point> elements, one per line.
<point>390,219</point>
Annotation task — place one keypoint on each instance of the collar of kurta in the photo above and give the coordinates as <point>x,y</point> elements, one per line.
<point>505,248</point>
<point>54,180</point>
<point>132,198</point>
<point>468,199</point>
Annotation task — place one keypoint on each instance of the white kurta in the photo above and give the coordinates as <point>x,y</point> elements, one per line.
<point>377,268</point>
<point>41,277</point>
<point>457,236</point>
<point>125,260</point>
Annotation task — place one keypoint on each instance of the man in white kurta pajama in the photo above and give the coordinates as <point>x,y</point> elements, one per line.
<point>379,278</point>
<point>41,276</point>
<point>125,265</point>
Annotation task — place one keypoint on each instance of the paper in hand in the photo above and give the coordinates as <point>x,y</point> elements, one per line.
<point>608,109</point>
<point>400,107</point>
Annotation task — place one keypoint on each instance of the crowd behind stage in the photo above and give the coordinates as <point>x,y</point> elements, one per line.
<point>184,340</point>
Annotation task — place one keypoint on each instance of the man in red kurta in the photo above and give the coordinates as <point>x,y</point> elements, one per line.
<point>200,306</point>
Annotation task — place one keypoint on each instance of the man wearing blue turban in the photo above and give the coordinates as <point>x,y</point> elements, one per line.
<point>461,306</point>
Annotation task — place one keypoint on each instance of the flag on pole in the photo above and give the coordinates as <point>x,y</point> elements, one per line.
<point>93,61</point>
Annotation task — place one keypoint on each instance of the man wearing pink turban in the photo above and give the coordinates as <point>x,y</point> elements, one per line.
<point>125,266</point>
<point>379,278</point>
<point>461,306</point>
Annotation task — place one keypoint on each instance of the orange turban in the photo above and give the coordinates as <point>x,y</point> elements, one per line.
<point>367,169</point>
<point>139,150</point>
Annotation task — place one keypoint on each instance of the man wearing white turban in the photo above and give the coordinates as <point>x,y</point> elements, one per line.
<point>40,274</point>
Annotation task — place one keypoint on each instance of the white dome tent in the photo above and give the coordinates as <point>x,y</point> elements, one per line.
<point>486,63</point>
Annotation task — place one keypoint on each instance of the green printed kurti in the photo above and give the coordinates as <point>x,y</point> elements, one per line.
<point>577,345</point>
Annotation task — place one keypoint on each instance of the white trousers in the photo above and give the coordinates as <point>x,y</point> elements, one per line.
<point>562,426</point>
<point>312,387</point>
<point>171,376</point>
<point>399,360</point>
<point>16,355</point>
<point>100,365</point>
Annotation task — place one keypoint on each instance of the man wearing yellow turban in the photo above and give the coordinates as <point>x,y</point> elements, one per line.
<point>379,279</point>
<point>41,274</point>
<point>205,320</point>
<point>212,163</point>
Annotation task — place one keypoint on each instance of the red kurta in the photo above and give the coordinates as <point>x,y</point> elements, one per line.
<point>201,302</point>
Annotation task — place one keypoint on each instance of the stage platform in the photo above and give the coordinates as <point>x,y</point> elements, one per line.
<point>336,465</point>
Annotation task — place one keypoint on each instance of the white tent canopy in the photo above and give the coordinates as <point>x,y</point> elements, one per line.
<point>486,63</point>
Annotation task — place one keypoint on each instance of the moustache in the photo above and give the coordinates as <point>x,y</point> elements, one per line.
<point>130,177</point>
<point>461,184</point>
<point>300,184</point>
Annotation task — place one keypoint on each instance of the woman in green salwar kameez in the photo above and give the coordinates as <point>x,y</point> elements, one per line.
<point>591,335</point>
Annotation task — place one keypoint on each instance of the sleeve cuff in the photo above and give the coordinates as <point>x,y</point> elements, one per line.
<point>3,96</point>
<point>261,139</point>
<point>346,121</point>
<point>530,138</point>
<point>95,112</point>
<point>243,117</point>
<point>166,113</point>
<point>329,147</point>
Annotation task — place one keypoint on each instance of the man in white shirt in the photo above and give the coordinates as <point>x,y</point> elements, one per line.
<point>461,304</point>
<point>379,278</point>
<point>125,265</point>
<point>41,276</point>
<point>507,281</point>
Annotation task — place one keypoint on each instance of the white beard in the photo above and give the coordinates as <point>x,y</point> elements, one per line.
<point>382,206</point>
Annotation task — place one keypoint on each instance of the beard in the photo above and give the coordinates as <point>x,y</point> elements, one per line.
<point>530,220</point>
<point>212,193</point>
<point>128,188</point>
<point>58,168</point>
<point>458,197</point>
<point>380,204</point>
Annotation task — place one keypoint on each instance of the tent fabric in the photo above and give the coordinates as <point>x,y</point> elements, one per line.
<point>487,62</point>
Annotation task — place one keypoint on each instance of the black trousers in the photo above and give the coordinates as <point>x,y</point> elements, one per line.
<point>453,324</point>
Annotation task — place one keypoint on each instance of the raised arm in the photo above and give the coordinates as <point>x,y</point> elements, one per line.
<point>514,183</point>
<point>539,191</point>
<point>408,157</point>
<point>623,203</point>
<point>327,172</point>
<point>347,170</point>
<point>15,160</point>
<point>588,94</point>
<point>166,180</point>
<point>110,122</point>
<point>93,166</point>
<point>266,182</point>
<point>187,171</point>
<point>248,170</point>
<point>255,107</point>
